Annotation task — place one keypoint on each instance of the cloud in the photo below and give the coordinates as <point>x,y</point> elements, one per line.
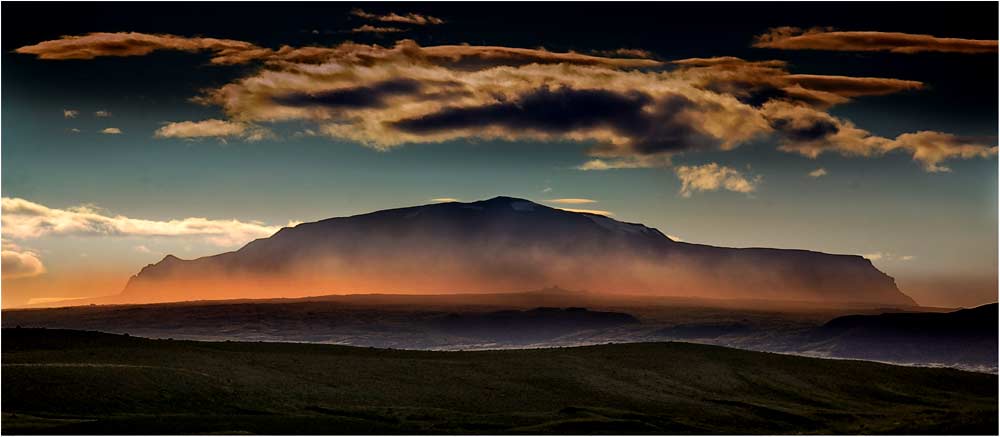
<point>589,211</point>
<point>23,219</point>
<point>19,263</point>
<point>713,177</point>
<point>444,199</point>
<point>793,38</point>
<point>887,256</point>
<point>142,249</point>
<point>98,44</point>
<point>579,201</point>
<point>547,189</point>
<point>391,103</point>
<point>626,53</point>
<point>70,113</point>
<point>819,172</point>
<point>111,131</point>
<point>635,112</point>
<point>416,19</point>
<point>375,95</point>
<point>483,57</point>
<point>931,148</point>
<point>845,86</point>
<point>639,122</point>
<point>810,132</point>
<point>572,201</point>
<point>757,82</point>
<point>102,114</point>
<point>368,28</point>
<point>211,128</point>
<point>628,162</point>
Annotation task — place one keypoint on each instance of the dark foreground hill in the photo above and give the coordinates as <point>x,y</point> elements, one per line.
<point>61,382</point>
<point>504,244</point>
<point>966,336</point>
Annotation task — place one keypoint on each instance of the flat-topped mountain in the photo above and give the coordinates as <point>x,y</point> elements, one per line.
<point>505,244</point>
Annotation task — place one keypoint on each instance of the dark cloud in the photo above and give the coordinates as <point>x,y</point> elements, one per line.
<point>372,96</point>
<point>561,110</point>
<point>748,92</point>
<point>625,53</point>
<point>652,125</point>
<point>813,130</point>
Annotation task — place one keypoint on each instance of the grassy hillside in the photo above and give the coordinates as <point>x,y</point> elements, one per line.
<point>56,381</point>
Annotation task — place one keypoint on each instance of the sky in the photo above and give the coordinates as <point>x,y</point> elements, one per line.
<point>132,131</point>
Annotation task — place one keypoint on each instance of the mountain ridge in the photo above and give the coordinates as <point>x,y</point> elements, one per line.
<point>507,243</point>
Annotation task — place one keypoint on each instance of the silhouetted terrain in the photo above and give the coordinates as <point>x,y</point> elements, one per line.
<point>550,318</point>
<point>529,326</point>
<point>960,337</point>
<point>72,382</point>
<point>504,244</point>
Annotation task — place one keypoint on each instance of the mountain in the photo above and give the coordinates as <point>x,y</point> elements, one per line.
<point>504,244</point>
<point>967,337</point>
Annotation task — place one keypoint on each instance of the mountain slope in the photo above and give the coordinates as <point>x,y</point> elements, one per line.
<point>505,244</point>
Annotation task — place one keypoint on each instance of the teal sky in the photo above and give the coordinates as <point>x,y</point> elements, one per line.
<point>935,232</point>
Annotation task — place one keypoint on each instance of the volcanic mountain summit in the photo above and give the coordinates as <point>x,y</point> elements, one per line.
<point>506,244</point>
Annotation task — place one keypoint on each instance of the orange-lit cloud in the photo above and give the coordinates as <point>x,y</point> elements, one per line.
<point>626,162</point>
<point>887,256</point>
<point>368,28</point>
<point>212,128</point>
<point>111,131</point>
<point>572,201</point>
<point>19,263</point>
<point>756,82</point>
<point>714,177</point>
<point>931,148</point>
<point>818,173</point>
<point>23,219</point>
<point>589,211</point>
<point>392,17</point>
<point>811,132</point>
<point>793,38</point>
<point>846,86</point>
<point>99,44</point>
<point>635,112</point>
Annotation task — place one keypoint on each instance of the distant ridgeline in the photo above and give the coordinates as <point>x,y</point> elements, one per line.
<point>505,244</point>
